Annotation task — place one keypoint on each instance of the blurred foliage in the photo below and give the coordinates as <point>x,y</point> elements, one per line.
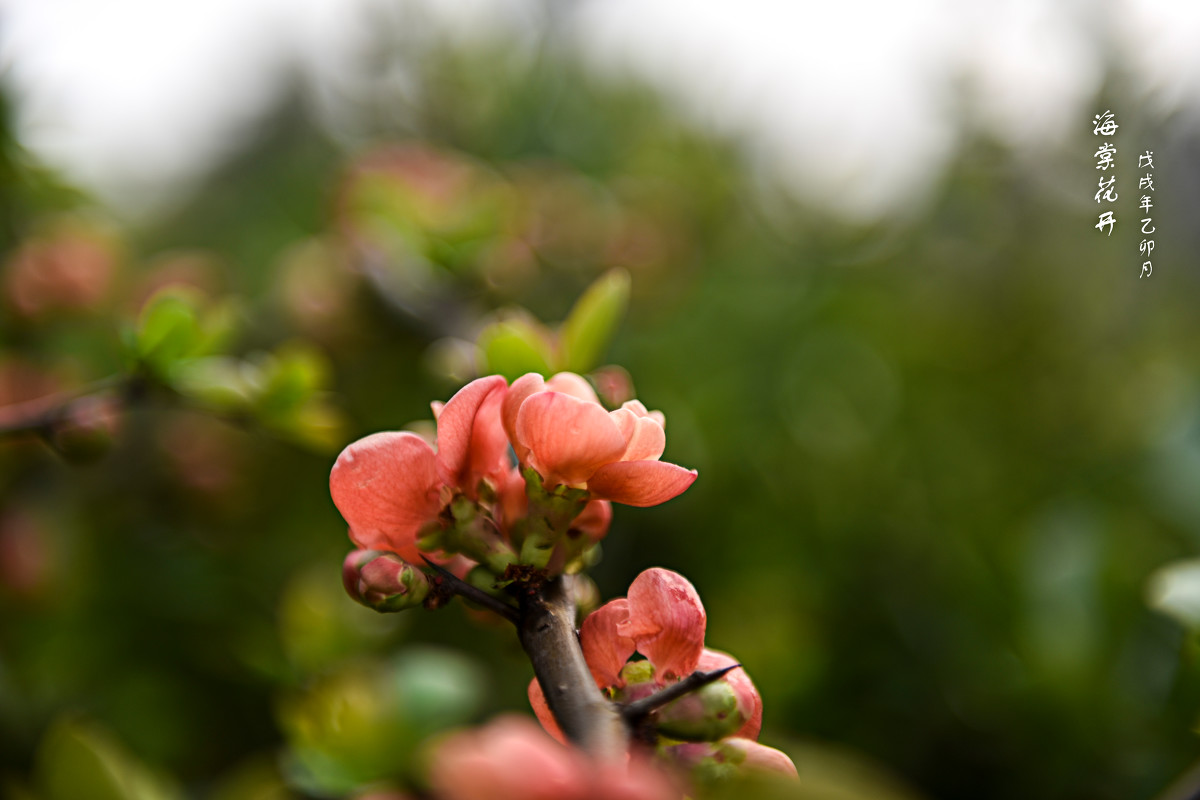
<point>939,457</point>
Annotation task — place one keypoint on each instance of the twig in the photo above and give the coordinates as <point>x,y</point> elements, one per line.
<point>635,712</point>
<point>43,413</point>
<point>457,586</point>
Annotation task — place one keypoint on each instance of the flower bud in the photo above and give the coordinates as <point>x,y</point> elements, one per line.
<point>614,385</point>
<point>705,715</point>
<point>383,581</point>
<point>752,756</point>
<point>85,430</point>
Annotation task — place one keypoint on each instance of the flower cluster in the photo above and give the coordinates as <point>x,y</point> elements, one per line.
<point>461,500</point>
<point>663,620</point>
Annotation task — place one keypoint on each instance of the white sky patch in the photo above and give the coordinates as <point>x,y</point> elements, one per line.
<point>855,105</point>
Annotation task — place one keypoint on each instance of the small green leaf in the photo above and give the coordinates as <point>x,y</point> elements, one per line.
<point>219,383</point>
<point>290,378</point>
<point>515,346</point>
<point>167,329</point>
<point>590,326</point>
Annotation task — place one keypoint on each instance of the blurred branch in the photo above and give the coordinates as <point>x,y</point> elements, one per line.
<point>41,415</point>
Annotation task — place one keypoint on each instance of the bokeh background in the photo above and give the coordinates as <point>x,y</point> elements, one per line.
<point>945,434</point>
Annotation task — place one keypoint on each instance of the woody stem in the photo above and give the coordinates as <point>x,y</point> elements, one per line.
<point>547,632</point>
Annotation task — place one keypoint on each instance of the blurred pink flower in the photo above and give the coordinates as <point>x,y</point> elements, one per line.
<point>389,485</point>
<point>510,759</point>
<point>69,269</point>
<point>663,619</point>
<point>559,428</point>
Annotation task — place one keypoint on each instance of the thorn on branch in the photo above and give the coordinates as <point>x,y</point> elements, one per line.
<point>453,585</point>
<point>633,713</point>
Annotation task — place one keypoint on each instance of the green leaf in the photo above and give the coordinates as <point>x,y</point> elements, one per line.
<point>590,326</point>
<point>290,378</point>
<point>168,329</point>
<point>515,346</point>
<point>219,383</point>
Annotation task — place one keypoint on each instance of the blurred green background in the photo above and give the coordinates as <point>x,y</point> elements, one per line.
<point>940,454</point>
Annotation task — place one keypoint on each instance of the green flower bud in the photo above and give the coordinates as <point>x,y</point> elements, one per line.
<point>705,715</point>
<point>383,581</point>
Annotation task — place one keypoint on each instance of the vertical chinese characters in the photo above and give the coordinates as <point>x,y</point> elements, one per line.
<point>1146,185</point>
<point>1106,125</point>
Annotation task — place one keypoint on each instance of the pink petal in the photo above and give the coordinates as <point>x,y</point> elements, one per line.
<point>640,483</point>
<point>761,757</point>
<point>507,759</point>
<point>637,407</point>
<point>386,487</point>
<point>520,391</point>
<point>574,385</point>
<point>594,520</point>
<point>489,443</point>
<point>604,649</point>
<point>456,426</point>
<point>568,438</point>
<point>644,438</point>
<point>513,502</point>
<point>749,700</point>
<point>541,710</point>
<point>666,620</point>
<point>640,779</point>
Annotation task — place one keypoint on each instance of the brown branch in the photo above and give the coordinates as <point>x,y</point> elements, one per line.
<point>635,712</point>
<point>547,633</point>
<point>40,415</point>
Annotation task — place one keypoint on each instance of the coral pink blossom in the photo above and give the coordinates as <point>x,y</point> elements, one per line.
<point>559,428</point>
<point>389,485</point>
<point>510,759</point>
<point>663,619</point>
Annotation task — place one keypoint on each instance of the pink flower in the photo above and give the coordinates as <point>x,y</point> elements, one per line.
<point>663,619</point>
<point>559,428</point>
<point>388,486</point>
<point>510,759</point>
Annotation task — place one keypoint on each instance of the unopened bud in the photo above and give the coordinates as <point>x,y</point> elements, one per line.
<point>705,762</point>
<point>704,715</point>
<point>613,384</point>
<point>85,430</point>
<point>751,756</point>
<point>383,581</point>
